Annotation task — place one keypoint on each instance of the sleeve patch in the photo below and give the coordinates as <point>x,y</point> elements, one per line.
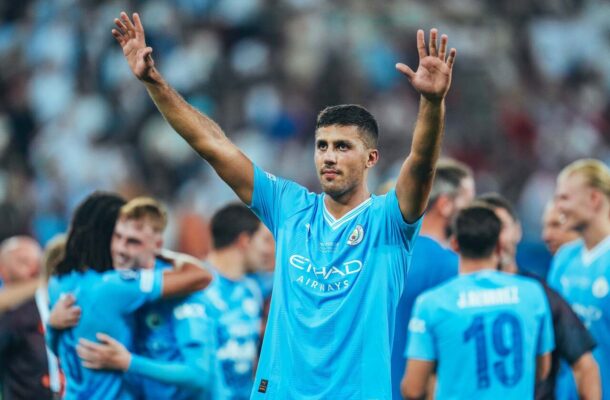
<point>417,325</point>
<point>147,280</point>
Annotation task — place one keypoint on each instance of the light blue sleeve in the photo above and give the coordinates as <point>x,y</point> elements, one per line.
<point>128,290</point>
<point>546,337</point>
<point>407,231</point>
<point>420,340</point>
<point>274,198</point>
<point>172,373</point>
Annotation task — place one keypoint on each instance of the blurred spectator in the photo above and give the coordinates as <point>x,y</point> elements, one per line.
<point>73,120</point>
<point>27,369</point>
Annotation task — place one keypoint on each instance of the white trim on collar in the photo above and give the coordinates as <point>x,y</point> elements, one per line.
<point>351,214</point>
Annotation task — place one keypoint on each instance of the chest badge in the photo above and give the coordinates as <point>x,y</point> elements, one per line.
<point>356,236</point>
<point>600,288</point>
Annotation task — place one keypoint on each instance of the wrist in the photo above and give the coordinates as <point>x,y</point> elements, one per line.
<point>125,362</point>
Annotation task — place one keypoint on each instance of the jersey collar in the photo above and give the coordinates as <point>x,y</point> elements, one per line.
<point>353,213</point>
<point>588,256</point>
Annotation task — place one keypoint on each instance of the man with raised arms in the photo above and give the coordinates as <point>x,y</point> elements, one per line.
<point>341,255</point>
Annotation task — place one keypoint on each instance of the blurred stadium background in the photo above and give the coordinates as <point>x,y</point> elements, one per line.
<point>530,94</point>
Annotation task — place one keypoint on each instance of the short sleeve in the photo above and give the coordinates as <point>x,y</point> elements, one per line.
<point>546,338</point>
<point>273,198</point>
<point>572,339</point>
<point>130,289</point>
<point>407,231</point>
<point>420,338</point>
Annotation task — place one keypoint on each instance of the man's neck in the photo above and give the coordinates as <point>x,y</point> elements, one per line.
<point>341,205</point>
<point>470,265</point>
<point>433,226</point>
<point>595,232</point>
<point>230,262</point>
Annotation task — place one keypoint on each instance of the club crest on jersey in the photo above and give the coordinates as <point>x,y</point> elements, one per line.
<point>356,236</point>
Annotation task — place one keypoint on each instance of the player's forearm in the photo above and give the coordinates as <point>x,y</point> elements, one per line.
<point>16,294</point>
<point>586,375</point>
<point>185,375</point>
<point>415,179</point>
<point>200,131</point>
<point>427,136</point>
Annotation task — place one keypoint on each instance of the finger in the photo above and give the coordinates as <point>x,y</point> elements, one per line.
<point>91,365</point>
<point>405,70</point>
<point>131,30</point>
<point>138,23</point>
<point>121,27</point>
<point>103,338</point>
<point>421,44</point>
<point>118,36</point>
<point>451,59</point>
<point>84,354</point>
<point>89,345</point>
<point>443,49</point>
<point>433,38</point>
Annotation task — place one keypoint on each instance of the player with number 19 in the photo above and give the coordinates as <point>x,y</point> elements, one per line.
<point>488,333</point>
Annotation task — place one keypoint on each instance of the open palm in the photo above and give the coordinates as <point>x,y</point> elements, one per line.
<point>131,38</point>
<point>433,76</point>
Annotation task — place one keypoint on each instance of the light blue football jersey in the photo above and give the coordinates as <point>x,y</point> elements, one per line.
<point>431,265</point>
<point>582,277</point>
<point>484,331</point>
<point>336,287</point>
<point>175,330</point>
<point>235,308</point>
<point>108,301</point>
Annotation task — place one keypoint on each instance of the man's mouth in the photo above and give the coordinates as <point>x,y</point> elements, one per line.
<point>330,173</point>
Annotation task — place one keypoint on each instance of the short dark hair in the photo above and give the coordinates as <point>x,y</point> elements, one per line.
<point>477,230</point>
<point>496,200</point>
<point>447,179</point>
<point>230,221</point>
<point>91,230</point>
<point>351,115</point>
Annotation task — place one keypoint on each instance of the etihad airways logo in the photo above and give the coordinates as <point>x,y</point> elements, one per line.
<point>325,278</point>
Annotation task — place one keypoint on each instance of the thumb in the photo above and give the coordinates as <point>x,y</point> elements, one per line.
<point>69,300</point>
<point>406,70</point>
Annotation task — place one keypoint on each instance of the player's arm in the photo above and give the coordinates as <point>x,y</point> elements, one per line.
<point>201,133</point>
<point>14,295</point>
<point>432,80</point>
<point>415,381</point>
<point>188,275</point>
<point>586,375</point>
<point>543,366</point>
<point>110,354</point>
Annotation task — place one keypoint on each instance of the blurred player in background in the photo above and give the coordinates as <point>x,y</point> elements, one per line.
<point>171,357</point>
<point>554,232</point>
<point>580,270</point>
<point>108,297</point>
<point>27,371</point>
<point>487,333</point>
<point>342,255</point>
<point>433,262</point>
<point>234,301</point>
<point>573,343</point>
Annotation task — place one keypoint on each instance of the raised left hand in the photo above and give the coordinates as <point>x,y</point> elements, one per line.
<point>433,76</point>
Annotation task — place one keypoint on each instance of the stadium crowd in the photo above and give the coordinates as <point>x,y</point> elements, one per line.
<point>106,311</point>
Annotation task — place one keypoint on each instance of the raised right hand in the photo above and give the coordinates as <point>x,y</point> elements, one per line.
<point>131,38</point>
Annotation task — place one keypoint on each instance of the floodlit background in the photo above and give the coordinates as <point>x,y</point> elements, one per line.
<point>530,94</point>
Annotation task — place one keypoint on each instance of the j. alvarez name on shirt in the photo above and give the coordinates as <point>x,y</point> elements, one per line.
<point>488,297</point>
<point>326,278</point>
